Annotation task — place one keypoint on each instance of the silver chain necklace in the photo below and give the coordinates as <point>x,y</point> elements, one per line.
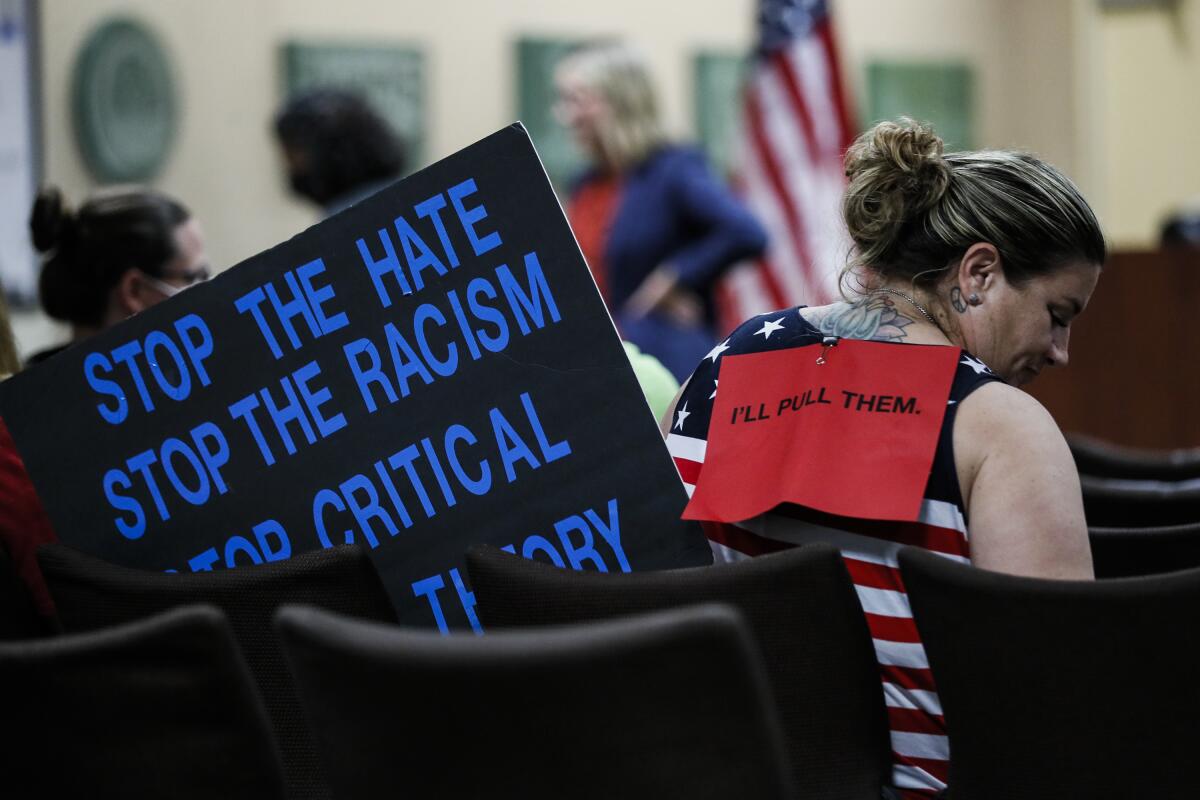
<point>914,303</point>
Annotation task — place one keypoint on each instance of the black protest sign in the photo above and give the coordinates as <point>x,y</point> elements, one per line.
<point>428,369</point>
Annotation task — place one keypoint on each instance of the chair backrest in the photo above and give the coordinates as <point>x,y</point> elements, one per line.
<point>19,618</point>
<point>90,593</point>
<point>1129,552</point>
<point>1103,459</point>
<point>673,704</point>
<point>1055,689</point>
<point>1111,503</point>
<point>162,707</point>
<point>799,606</point>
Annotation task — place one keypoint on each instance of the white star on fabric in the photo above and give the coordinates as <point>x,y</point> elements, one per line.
<point>716,351</point>
<point>769,327</point>
<point>680,416</point>
<point>976,365</point>
<point>714,394</point>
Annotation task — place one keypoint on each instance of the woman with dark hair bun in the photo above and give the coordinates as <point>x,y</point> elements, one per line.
<point>121,252</point>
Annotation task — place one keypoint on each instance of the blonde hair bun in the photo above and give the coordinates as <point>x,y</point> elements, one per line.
<point>896,171</point>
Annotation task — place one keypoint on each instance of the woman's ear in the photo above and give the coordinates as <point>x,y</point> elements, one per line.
<point>979,269</point>
<point>132,295</point>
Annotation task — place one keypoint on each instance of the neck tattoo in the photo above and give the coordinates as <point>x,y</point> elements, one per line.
<point>911,301</point>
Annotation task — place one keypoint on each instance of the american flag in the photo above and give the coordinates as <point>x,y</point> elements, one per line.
<point>796,125</point>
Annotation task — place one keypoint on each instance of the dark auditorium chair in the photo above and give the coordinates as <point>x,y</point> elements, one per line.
<point>90,594</point>
<point>1114,503</point>
<point>161,707</point>
<point>1100,459</point>
<point>1130,552</point>
<point>1062,689</point>
<point>800,608</point>
<point>671,704</point>
<point>19,618</point>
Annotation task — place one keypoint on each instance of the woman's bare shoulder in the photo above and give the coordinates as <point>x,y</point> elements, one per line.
<point>1019,485</point>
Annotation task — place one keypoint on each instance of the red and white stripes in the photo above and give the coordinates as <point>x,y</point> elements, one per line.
<point>918,735</point>
<point>796,126</point>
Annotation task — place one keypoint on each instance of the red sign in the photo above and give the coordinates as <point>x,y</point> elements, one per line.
<point>853,436</point>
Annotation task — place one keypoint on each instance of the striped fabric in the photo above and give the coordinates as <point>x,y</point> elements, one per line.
<point>918,736</point>
<point>796,126</point>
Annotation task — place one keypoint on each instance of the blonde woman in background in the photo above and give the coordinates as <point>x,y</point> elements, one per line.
<point>656,226</point>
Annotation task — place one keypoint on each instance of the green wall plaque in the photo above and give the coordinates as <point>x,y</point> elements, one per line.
<point>941,93</point>
<point>717,105</point>
<point>391,77</point>
<point>536,59</point>
<point>125,104</point>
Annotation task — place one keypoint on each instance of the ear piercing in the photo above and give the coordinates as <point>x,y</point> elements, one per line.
<point>974,299</point>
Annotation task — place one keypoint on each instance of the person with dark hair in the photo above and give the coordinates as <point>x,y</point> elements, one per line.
<point>337,149</point>
<point>1181,230</point>
<point>991,255</point>
<point>123,251</point>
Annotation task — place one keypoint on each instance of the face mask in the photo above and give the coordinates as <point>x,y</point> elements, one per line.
<point>305,185</point>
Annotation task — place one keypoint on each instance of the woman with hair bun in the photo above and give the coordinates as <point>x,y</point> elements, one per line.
<point>996,254</point>
<point>121,252</point>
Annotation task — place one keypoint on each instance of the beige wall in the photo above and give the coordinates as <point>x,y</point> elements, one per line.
<point>1148,111</point>
<point>1110,98</point>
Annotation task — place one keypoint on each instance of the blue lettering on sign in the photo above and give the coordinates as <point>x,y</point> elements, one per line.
<point>388,265</point>
<point>403,459</point>
<point>287,311</point>
<point>364,505</point>
<point>477,486</point>
<point>368,374</point>
<point>318,296</point>
<point>240,544</point>
<point>98,367</point>
<point>300,406</point>
<point>539,294</point>
<point>304,300</point>
<point>460,317</point>
<point>252,301</point>
<point>175,447</point>
<point>405,362</point>
<point>326,498</point>
<point>129,528</point>
<point>467,598</point>
<point>313,400</point>
<point>156,341</point>
<point>540,544</point>
<point>270,532</point>
<point>197,351</point>
<point>271,543</point>
<point>418,254</point>
<point>115,414</point>
<point>485,313</point>
<point>286,413</point>
<point>512,446</point>
<point>577,554</point>
<point>576,533</point>
<point>428,588</point>
<point>430,209</point>
<point>470,217</point>
<point>389,486</point>
<point>426,313</point>
<point>192,470</point>
<point>127,354</point>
